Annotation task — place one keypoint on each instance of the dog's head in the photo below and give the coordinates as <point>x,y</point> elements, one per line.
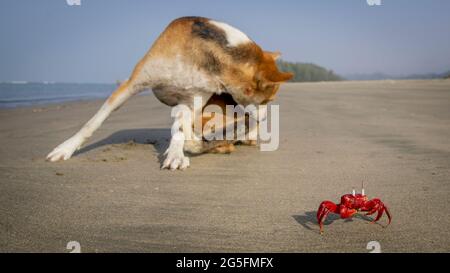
<point>263,81</point>
<point>268,78</point>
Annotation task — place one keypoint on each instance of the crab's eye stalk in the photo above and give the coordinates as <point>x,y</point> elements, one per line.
<point>353,192</point>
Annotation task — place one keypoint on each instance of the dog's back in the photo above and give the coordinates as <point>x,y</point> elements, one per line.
<point>199,53</point>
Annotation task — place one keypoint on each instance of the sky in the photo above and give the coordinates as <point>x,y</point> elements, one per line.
<point>102,40</point>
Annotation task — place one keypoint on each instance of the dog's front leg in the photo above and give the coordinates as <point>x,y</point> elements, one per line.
<point>181,130</point>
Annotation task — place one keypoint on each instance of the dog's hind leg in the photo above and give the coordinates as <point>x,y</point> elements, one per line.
<point>65,150</point>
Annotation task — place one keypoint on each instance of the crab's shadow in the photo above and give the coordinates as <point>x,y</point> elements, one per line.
<point>309,219</point>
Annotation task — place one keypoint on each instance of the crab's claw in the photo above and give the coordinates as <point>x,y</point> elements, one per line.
<point>324,209</point>
<point>375,205</point>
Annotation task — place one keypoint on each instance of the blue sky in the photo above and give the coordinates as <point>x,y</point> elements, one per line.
<point>101,40</point>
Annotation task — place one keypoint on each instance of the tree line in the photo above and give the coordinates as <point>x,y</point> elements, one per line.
<point>308,72</point>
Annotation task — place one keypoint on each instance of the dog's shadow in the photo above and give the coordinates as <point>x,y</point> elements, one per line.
<point>309,219</point>
<point>158,137</point>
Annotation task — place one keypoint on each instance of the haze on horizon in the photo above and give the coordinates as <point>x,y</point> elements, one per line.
<point>102,40</point>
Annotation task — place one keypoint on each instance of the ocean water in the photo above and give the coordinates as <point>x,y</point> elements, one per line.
<point>25,94</point>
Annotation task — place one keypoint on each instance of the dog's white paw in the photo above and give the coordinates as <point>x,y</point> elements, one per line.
<point>175,161</point>
<point>175,158</point>
<point>65,150</point>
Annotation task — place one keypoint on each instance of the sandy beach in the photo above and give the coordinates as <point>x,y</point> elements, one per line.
<point>112,196</point>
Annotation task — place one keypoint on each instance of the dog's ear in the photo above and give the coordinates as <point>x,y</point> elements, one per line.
<point>269,71</point>
<point>278,76</point>
<point>274,55</point>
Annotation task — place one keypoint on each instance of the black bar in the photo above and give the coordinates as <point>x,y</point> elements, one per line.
<point>225,262</point>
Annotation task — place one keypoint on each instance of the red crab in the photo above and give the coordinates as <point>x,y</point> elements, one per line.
<point>351,204</point>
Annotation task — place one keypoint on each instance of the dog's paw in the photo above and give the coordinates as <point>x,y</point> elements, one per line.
<point>64,151</point>
<point>175,160</point>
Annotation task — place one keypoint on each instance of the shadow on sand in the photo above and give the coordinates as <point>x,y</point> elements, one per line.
<point>158,137</point>
<point>310,218</point>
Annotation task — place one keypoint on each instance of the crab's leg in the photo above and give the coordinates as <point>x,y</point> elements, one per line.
<point>388,214</point>
<point>374,209</point>
<point>372,206</point>
<point>381,208</point>
<point>380,213</point>
<point>322,219</point>
<point>324,209</point>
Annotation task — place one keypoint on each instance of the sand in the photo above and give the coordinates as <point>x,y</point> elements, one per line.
<point>112,196</point>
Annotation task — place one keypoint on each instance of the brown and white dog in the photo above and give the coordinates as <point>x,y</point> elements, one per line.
<point>193,57</point>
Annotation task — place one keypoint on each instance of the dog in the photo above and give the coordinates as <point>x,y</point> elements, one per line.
<point>193,57</point>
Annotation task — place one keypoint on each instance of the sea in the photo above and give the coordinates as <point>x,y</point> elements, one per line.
<point>17,94</point>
